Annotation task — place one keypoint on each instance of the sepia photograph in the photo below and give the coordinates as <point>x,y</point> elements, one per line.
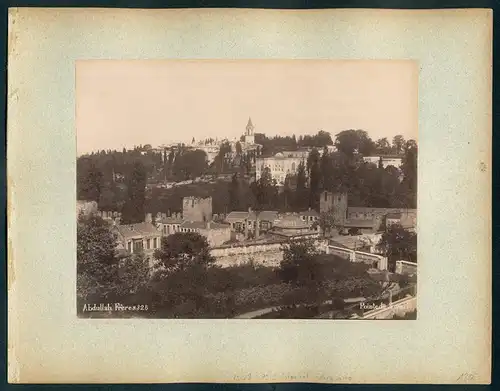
<point>249,185</point>
<point>247,189</point>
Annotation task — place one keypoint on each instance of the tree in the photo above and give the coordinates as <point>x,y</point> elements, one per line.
<point>398,243</point>
<point>326,167</point>
<point>183,251</point>
<point>97,264</point>
<point>190,164</point>
<point>300,265</point>
<point>180,282</point>
<point>410,170</point>
<point>265,194</point>
<point>383,146</point>
<point>351,141</point>
<point>398,143</point>
<point>327,222</point>
<point>238,148</point>
<point>234,193</point>
<point>315,178</point>
<point>134,273</point>
<point>301,192</point>
<point>133,210</point>
<point>89,180</point>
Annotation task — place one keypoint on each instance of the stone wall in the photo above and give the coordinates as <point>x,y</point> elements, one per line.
<point>358,256</point>
<point>216,237</point>
<point>404,267</point>
<point>197,209</point>
<point>264,254</point>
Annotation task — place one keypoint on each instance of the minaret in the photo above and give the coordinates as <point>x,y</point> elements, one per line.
<point>249,136</point>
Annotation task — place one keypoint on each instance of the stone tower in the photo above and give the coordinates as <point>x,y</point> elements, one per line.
<point>197,209</point>
<point>336,202</point>
<point>249,136</point>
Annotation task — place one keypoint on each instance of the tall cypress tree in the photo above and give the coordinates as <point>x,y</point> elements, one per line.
<point>133,210</point>
<point>234,196</point>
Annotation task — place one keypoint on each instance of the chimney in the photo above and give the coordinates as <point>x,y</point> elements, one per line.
<point>149,218</point>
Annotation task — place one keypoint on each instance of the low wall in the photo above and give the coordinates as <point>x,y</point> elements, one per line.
<point>358,256</point>
<point>405,267</point>
<point>265,254</point>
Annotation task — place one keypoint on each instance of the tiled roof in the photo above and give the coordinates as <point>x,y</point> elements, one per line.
<point>129,231</point>
<point>203,225</point>
<point>291,222</point>
<point>193,224</point>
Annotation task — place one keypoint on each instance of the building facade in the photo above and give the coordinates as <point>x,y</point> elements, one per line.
<point>365,219</point>
<point>138,238</point>
<point>279,166</point>
<point>197,209</point>
<point>387,160</point>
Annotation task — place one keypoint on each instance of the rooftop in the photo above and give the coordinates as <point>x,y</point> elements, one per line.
<point>203,225</point>
<point>291,222</point>
<point>137,230</point>
<point>170,220</point>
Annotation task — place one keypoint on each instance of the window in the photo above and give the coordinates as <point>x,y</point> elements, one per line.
<point>129,246</point>
<point>293,166</point>
<point>326,196</point>
<point>155,243</point>
<point>148,244</point>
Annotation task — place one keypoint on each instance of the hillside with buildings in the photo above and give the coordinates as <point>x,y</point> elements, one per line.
<point>276,219</point>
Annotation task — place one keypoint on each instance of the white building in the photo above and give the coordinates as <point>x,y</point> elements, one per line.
<point>387,160</point>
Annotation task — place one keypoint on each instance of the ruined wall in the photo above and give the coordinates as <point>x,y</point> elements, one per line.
<point>197,209</point>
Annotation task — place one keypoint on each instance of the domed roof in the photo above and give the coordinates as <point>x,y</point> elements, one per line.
<point>291,222</point>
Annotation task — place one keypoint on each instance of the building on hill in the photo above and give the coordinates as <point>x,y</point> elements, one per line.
<point>197,209</point>
<point>387,160</point>
<point>365,219</point>
<point>280,165</point>
<point>139,237</point>
<point>239,220</point>
<point>291,226</point>
<point>249,134</point>
<point>196,217</point>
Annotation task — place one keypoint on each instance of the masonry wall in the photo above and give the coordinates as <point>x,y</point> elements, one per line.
<point>216,237</point>
<point>197,209</point>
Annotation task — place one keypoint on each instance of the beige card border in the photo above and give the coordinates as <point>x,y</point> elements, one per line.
<point>450,341</point>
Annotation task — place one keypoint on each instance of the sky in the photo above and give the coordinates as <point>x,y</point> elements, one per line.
<point>122,103</point>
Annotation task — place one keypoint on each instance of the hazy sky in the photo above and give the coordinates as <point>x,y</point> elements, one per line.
<point>126,103</point>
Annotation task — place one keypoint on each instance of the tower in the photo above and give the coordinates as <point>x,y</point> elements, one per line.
<point>197,209</point>
<point>249,136</point>
<point>337,202</point>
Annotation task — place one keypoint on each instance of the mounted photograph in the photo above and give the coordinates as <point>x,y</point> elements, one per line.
<point>247,189</point>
